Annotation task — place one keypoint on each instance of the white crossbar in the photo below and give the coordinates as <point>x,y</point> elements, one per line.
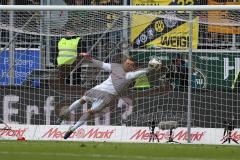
<point>117,8</point>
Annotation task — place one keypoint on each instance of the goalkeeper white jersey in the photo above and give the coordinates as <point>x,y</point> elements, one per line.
<point>118,79</point>
<point>107,86</point>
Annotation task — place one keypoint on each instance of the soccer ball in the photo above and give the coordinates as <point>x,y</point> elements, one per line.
<point>154,64</point>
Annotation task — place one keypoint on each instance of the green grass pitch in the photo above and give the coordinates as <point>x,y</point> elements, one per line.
<point>67,150</point>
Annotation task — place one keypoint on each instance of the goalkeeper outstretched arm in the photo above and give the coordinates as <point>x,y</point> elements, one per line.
<point>102,65</point>
<point>136,74</point>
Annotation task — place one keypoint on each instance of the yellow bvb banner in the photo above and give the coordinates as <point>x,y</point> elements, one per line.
<point>165,30</point>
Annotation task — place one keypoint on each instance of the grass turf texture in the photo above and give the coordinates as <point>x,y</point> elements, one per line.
<point>56,150</point>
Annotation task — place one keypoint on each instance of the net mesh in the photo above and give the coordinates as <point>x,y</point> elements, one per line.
<point>65,23</point>
<point>41,90</point>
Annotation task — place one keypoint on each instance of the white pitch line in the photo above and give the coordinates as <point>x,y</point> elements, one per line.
<point>108,156</point>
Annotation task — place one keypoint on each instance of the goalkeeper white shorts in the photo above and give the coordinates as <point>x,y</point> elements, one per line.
<point>99,99</point>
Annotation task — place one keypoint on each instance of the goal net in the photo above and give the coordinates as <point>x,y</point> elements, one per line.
<point>35,89</point>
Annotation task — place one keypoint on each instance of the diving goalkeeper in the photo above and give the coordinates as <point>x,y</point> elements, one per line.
<point>121,75</point>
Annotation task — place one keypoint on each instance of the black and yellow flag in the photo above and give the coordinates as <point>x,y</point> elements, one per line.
<point>165,29</point>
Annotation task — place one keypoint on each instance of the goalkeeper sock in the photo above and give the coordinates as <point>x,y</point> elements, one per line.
<point>73,106</point>
<point>86,116</point>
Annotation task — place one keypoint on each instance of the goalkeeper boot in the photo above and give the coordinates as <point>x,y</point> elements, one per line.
<point>68,134</point>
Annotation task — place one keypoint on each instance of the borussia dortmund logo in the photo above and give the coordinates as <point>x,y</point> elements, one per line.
<point>159,26</point>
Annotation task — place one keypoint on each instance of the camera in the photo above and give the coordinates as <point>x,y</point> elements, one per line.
<point>229,126</point>
<point>165,125</point>
<point>152,125</point>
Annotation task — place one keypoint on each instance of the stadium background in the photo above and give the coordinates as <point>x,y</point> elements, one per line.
<point>46,100</point>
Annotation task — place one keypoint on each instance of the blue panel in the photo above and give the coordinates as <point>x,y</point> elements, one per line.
<point>4,67</point>
<point>25,62</point>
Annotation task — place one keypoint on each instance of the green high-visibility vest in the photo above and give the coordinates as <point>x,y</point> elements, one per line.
<point>67,51</point>
<point>142,82</point>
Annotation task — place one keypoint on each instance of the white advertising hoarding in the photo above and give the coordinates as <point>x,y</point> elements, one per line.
<point>115,134</point>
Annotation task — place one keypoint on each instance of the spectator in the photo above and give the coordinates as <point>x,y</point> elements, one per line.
<point>179,71</point>
<point>68,49</point>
